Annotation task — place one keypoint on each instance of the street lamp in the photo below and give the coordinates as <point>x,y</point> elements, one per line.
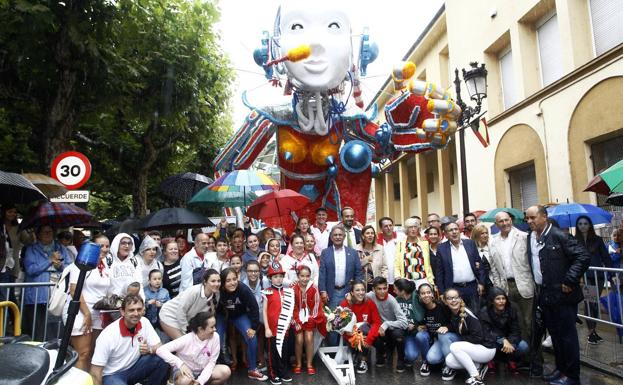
<point>476,82</point>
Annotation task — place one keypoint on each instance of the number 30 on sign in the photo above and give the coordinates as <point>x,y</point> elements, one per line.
<point>72,169</point>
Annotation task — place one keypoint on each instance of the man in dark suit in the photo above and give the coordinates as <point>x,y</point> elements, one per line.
<point>459,266</point>
<point>339,264</point>
<point>352,235</point>
<point>557,262</point>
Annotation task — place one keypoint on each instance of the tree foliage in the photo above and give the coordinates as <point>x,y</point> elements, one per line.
<point>141,87</point>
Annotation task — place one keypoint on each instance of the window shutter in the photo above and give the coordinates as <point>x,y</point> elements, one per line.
<point>606,17</point>
<point>509,89</point>
<point>523,187</point>
<point>550,50</point>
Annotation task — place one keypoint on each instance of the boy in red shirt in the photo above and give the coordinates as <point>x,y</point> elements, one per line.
<point>278,308</point>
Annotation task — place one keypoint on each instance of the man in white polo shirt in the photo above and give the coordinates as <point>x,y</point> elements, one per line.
<point>125,352</point>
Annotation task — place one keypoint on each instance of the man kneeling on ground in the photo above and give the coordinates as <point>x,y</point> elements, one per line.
<point>125,352</point>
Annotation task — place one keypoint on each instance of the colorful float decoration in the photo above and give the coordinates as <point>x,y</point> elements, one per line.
<point>329,148</point>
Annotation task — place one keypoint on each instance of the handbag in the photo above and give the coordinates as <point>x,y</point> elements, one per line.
<point>59,294</point>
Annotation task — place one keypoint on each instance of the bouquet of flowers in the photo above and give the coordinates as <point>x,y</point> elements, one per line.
<point>341,320</point>
<point>357,339</point>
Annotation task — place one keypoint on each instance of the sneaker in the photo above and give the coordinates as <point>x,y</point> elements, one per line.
<point>592,339</point>
<point>400,367</point>
<point>512,367</point>
<point>257,375</point>
<point>275,381</point>
<point>491,366</point>
<point>548,342</point>
<point>380,360</point>
<point>286,379</point>
<point>482,371</point>
<point>409,364</point>
<point>362,367</point>
<point>474,381</point>
<point>447,374</point>
<point>424,369</point>
<point>599,339</point>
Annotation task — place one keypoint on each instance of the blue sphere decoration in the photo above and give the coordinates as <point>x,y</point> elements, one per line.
<point>330,160</point>
<point>332,170</point>
<point>355,156</point>
<point>287,156</point>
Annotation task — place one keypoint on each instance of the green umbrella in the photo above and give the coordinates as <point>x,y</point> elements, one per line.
<point>210,198</point>
<point>489,216</point>
<point>613,176</point>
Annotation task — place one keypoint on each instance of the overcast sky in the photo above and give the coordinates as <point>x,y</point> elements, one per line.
<point>393,24</point>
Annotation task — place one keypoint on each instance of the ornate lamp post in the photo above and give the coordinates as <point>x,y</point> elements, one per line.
<point>476,82</point>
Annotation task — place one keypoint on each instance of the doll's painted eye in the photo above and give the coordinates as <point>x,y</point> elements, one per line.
<point>334,25</point>
<point>296,26</point>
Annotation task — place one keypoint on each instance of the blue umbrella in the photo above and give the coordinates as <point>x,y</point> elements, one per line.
<point>567,214</point>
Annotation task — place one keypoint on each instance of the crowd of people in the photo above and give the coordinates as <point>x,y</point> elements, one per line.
<point>447,298</point>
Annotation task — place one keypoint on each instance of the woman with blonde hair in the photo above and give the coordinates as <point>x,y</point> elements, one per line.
<point>480,236</point>
<point>412,259</point>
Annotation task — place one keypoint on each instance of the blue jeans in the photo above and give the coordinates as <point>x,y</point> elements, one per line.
<point>441,348</point>
<point>333,338</point>
<point>148,366</point>
<point>221,329</point>
<point>242,323</point>
<point>7,277</point>
<point>415,345</point>
<point>521,349</point>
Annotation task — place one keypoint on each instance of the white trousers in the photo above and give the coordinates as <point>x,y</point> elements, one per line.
<point>465,355</point>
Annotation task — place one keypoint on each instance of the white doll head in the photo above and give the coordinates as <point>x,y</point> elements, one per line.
<point>327,30</point>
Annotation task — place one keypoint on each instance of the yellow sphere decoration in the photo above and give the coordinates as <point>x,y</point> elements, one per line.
<point>288,142</point>
<point>322,149</point>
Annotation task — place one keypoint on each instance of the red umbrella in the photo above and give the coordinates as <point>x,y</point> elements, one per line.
<point>276,204</point>
<point>598,185</point>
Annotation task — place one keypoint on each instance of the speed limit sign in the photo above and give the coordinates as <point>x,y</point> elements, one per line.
<point>72,169</point>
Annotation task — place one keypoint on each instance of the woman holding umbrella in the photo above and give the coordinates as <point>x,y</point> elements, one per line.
<point>44,261</point>
<point>10,247</point>
<point>585,234</point>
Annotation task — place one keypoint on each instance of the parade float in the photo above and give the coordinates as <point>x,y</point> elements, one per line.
<point>328,147</point>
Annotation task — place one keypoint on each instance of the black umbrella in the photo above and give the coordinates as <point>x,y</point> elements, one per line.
<point>184,186</point>
<point>17,189</point>
<point>615,199</point>
<point>173,218</point>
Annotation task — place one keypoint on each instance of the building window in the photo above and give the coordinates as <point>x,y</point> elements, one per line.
<point>509,87</point>
<point>606,16</point>
<point>550,54</point>
<point>523,187</point>
<point>603,155</point>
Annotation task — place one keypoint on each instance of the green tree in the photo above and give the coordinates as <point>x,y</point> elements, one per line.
<point>141,87</point>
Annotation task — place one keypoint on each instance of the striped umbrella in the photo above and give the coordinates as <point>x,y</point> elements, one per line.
<point>57,215</point>
<point>244,181</point>
<point>211,198</point>
<point>14,188</point>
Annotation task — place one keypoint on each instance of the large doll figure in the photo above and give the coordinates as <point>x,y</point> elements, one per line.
<point>327,145</point>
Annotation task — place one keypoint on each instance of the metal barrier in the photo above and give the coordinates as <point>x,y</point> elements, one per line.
<point>40,325</point>
<point>603,305</point>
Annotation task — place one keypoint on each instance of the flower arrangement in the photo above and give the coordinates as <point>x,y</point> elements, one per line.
<point>357,339</point>
<point>340,320</point>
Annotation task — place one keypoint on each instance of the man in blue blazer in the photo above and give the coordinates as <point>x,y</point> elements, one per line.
<point>459,266</point>
<point>339,265</point>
